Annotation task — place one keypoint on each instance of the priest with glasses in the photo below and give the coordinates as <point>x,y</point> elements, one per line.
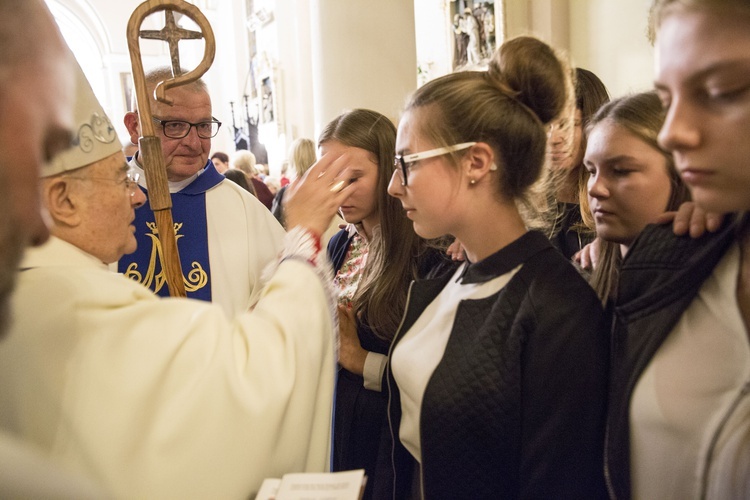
<point>225,236</point>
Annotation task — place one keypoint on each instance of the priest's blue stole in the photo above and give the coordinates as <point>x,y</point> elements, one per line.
<point>189,217</point>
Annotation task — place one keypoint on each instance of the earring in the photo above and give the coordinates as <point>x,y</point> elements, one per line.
<point>473,181</point>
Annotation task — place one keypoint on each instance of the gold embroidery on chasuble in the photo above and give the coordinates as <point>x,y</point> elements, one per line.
<point>195,280</point>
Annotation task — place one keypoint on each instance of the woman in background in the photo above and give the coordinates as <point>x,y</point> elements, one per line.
<point>245,161</point>
<point>568,233</point>
<point>239,177</point>
<point>220,161</point>
<point>630,179</point>
<point>301,157</point>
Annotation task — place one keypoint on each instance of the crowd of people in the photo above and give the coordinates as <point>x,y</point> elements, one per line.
<point>590,342</point>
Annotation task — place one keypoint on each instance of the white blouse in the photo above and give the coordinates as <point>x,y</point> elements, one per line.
<point>688,387</point>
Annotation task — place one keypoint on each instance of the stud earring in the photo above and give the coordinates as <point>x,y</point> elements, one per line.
<point>473,181</point>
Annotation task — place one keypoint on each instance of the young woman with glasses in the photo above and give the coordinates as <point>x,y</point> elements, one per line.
<point>498,372</point>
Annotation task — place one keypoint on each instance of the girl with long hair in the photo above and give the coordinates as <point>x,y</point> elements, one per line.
<point>375,258</point>
<point>629,181</point>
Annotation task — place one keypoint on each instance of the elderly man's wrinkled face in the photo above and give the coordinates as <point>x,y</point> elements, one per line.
<point>36,116</point>
<point>107,195</point>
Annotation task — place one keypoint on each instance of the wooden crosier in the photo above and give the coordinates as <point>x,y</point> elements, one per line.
<point>149,144</point>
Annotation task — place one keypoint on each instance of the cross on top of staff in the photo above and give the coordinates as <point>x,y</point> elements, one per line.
<point>172,34</point>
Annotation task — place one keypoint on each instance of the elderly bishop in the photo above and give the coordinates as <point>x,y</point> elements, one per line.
<point>164,397</point>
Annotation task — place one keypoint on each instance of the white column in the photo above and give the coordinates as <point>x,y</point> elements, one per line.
<point>550,20</point>
<point>295,64</point>
<point>363,56</point>
<point>546,19</point>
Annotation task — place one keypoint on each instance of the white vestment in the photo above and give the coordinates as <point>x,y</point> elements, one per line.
<point>166,398</point>
<point>25,472</point>
<point>243,238</point>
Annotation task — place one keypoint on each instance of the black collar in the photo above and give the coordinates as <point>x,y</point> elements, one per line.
<point>505,259</point>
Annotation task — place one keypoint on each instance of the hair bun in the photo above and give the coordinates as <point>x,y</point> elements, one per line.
<point>532,70</point>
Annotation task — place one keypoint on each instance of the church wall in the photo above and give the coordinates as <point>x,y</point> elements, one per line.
<point>295,55</point>
<point>228,75</point>
<point>364,55</point>
<point>609,38</point>
<point>327,56</point>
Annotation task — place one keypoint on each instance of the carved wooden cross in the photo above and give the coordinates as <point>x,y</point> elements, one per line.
<point>172,34</point>
<point>150,144</point>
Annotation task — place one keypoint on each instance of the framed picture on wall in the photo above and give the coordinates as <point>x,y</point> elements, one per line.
<point>266,100</point>
<point>269,98</point>
<point>475,30</point>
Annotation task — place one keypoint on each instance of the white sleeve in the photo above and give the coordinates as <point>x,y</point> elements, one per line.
<point>373,371</point>
<point>168,398</point>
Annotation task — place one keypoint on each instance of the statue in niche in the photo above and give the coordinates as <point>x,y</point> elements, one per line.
<point>460,57</point>
<point>477,13</point>
<point>267,100</point>
<point>488,22</point>
<point>471,28</point>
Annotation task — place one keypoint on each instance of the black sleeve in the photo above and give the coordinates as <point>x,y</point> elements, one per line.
<point>564,387</point>
<point>277,208</point>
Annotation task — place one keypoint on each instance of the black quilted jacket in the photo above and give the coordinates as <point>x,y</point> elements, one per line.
<point>516,407</point>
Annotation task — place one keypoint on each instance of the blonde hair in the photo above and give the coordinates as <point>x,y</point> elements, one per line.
<point>245,161</point>
<point>643,116</point>
<point>302,155</point>
<point>660,9</point>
